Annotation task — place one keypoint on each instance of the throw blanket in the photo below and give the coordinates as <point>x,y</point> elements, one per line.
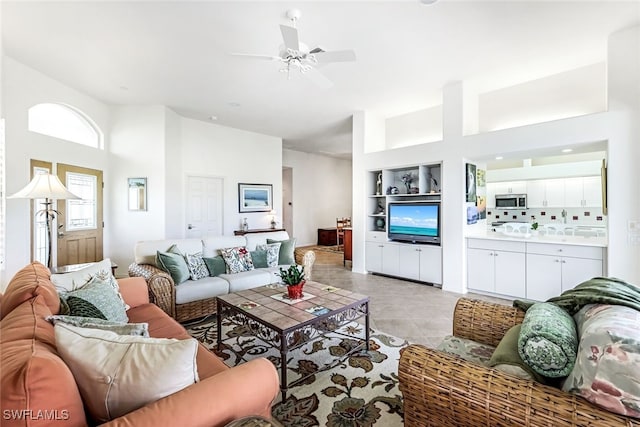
<point>599,290</point>
<point>548,341</point>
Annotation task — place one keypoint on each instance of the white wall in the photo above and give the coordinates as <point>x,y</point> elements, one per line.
<point>22,88</point>
<point>322,192</point>
<point>568,94</point>
<point>417,127</point>
<point>237,156</point>
<point>137,150</point>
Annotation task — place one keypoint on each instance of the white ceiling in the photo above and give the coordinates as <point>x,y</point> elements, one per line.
<point>178,54</point>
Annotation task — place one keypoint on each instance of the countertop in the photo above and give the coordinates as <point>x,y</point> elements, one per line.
<point>484,233</point>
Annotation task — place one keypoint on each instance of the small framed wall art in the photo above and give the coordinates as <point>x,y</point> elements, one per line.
<point>255,197</point>
<point>137,194</point>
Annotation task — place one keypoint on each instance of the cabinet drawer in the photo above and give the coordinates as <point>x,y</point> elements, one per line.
<point>497,245</point>
<point>590,252</point>
<point>376,236</point>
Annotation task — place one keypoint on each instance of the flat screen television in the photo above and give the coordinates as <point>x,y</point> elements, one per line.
<point>416,222</point>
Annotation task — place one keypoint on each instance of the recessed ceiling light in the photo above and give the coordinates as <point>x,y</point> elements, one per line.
<point>428,1</point>
<point>567,150</point>
<point>499,157</point>
<point>233,104</point>
<point>213,118</point>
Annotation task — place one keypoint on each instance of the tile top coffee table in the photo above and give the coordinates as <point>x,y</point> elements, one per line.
<point>288,324</point>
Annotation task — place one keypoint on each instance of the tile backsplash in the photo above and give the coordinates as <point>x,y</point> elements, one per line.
<point>577,216</point>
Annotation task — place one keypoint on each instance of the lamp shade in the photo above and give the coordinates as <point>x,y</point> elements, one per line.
<point>44,186</point>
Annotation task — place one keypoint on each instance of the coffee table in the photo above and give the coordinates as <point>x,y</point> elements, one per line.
<point>288,324</point>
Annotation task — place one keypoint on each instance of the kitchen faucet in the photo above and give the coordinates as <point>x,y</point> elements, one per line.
<point>564,216</point>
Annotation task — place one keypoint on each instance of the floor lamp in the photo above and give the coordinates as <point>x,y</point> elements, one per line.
<point>48,187</point>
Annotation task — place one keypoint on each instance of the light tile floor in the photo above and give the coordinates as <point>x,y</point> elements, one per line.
<point>420,313</point>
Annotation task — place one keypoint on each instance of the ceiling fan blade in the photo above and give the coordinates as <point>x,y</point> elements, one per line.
<point>258,56</point>
<point>290,37</point>
<point>318,78</point>
<point>335,56</point>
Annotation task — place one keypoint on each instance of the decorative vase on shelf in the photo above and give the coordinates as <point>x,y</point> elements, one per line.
<point>245,225</point>
<point>380,223</point>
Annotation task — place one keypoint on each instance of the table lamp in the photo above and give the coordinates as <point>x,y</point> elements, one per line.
<point>273,219</point>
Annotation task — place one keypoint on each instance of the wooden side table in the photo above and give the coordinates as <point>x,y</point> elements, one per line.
<point>348,246</point>
<point>327,236</point>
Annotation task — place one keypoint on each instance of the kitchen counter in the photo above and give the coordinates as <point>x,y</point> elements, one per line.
<point>484,233</point>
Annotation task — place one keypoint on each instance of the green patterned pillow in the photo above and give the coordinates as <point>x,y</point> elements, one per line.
<point>287,248</point>
<point>548,340</point>
<point>134,329</point>
<point>96,299</point>
<point>197,267</point>
<point>215,265</point>
<point>173,263</point>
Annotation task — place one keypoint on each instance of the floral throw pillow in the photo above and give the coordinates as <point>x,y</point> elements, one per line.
<point>273,253</point>
<point>197,267</point>
<point>237,259</point>
<point>606,371</point>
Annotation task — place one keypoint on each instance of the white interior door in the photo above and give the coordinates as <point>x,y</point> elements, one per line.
<point>204,207</point>
<point>287,200</point>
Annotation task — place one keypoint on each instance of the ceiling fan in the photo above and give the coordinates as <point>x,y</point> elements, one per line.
<point>296,56</point>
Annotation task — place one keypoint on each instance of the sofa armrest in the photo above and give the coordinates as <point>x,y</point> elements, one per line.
<point>307,259</point>
<point>134,291</point>
<point>162,290</point>
<point>484,322</point>
<point>247,389</point>
<point>441,389</point>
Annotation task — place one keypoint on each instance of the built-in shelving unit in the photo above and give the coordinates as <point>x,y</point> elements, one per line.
<point>418,182</point>
<point>421,262</point>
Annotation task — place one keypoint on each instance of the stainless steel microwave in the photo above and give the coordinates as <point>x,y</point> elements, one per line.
<point>511,201</point>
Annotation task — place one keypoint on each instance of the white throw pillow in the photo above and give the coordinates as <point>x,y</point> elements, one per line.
<point>117,374</point>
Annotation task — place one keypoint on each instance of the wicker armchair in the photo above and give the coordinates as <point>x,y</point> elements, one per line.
<point>441,389</point>
<point>162,290</point>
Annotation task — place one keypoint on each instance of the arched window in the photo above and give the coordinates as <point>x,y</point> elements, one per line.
<point>64,122</point>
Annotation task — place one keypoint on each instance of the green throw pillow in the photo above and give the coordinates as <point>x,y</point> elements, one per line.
<point>173,263</point>
<point>548,340</point>
<point>215,265</point>
<point>286,256</point>
<point>259,258</point>
<point>96,299</point>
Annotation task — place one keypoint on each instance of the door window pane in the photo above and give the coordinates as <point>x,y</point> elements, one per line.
<point>82,213</point>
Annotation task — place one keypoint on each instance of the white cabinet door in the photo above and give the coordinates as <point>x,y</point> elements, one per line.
<point>592,191</point>
<point>510,273</point>
<point>373,257</point>
<point>536,197</point>
<point>409,261</point>
<point>491,195</point>
<point>518,187</point>
<point>391,259</point>
<point>480,270</point>
<point>573,192</point>
<point>543,277</point>
<point>431,264</point>
<point>555,191</point>
<point>578,270</point>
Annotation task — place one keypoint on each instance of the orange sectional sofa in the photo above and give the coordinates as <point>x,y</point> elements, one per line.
<point>39,389</point>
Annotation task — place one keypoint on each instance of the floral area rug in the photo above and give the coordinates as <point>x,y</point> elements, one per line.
<point>359,391</point>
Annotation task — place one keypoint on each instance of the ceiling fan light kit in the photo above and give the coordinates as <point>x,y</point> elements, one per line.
<point>296,56</point>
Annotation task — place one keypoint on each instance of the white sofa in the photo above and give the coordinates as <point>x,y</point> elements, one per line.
<point>196,298</point>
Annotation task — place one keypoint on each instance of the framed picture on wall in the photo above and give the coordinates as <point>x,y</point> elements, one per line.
<point>471,183</point>
<point>137,194</point>
<point>255,197</point>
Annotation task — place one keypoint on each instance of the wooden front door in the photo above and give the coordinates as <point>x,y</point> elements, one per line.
<point>80,223</point>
